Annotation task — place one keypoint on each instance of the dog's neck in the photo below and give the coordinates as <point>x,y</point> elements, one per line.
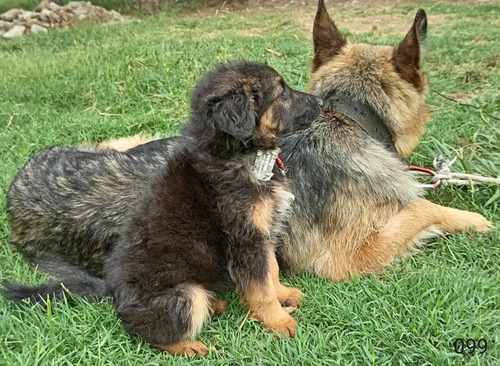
<point>364,115</point>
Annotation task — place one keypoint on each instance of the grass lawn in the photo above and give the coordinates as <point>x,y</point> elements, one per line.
<point>99,82</point>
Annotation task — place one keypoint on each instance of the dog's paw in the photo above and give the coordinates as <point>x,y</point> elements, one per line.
<point>290,296</point>
<point>480,223</point>
<point>289,309</point>
<point>183,348</point>
<point>283,326</point>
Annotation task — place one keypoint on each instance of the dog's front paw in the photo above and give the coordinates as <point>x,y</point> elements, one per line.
<point>284,325</point>
<point>480,223</point>
<point>290,296</point>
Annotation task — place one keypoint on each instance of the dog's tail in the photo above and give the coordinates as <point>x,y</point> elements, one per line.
<point>80,284</point>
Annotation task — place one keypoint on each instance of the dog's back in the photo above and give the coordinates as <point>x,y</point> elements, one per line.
<point>67,197</point>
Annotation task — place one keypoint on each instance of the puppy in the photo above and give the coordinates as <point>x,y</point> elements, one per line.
<point>209,220</point>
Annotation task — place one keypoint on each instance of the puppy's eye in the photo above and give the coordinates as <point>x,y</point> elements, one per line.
<point>257,96</point>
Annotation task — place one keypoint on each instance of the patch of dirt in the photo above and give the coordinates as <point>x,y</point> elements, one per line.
<point>358,16</point>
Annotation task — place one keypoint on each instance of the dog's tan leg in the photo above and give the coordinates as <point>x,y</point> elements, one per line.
<point>401,231</point>
<point>262,300</point>
<point>187,348</point>
<point>288,296</point>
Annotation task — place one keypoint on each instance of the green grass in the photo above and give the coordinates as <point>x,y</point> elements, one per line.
<point>99,82</point>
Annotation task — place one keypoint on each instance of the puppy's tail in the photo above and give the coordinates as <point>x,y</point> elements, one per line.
<point>79,284</point>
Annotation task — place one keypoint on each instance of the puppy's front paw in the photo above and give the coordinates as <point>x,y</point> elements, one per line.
<point>183,348</point>
<point>284,325</point>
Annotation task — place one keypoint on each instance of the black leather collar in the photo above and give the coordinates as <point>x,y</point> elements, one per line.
<point>364,115</point>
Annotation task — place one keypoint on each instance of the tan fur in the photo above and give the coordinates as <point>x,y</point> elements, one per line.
<point>288,296</point>
<point>201,301</point>
<point>401,231</point>
<point>264,305</point>
<point>350,70</point>
<point>262,213</point>
<point>267,124</point>
<point>124,143</point>
<point>187,348</point>
<point>218,307</point>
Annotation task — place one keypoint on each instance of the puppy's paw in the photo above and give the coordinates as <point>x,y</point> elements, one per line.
<point>290,296</point>
<point>183,348</point>
<point>283,326</point>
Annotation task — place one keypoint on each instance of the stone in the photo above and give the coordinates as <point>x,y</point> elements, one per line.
<point>117,17</point>
<point>5,26</point>
<point>15,31</point>
<point>35,28</point>
<point>47,15</point>
<point>54,7</point>
<point>43,5</point>
<point>11,14</point>
<point>25,15</point>
<point>30,22</point>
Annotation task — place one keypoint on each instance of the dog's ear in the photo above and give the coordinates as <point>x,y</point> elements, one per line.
<point>234,115</point>
<point>326,37</point>
<point>407,56</point>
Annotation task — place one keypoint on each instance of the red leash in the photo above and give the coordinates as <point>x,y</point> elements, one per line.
<point>429,172</point>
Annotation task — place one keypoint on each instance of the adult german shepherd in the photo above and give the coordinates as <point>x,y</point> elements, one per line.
<point>357,206</point>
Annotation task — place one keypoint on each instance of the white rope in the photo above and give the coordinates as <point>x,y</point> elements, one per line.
<point>442,167</point>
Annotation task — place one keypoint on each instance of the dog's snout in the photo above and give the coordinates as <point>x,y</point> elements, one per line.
<point>320,103</point>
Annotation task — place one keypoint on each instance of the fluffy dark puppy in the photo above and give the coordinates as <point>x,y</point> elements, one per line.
<point>209,221</point>
<point>356,209</point>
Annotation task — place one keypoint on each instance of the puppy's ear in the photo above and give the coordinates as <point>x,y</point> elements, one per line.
<point>234,115</point>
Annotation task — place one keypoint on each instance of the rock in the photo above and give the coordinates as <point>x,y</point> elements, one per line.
<point>115,16</point>
<point>54,7</point>
<point>52,14</point>
<point>47,15</point>
<point>73,5</point>
<point>35,28</point>
<point>15,31</point>
<point>53,17</point>
<point>30,22</point>
<point>5,26</point>
<point>25,15</point>
<point>43,5</point>
<point>11,14</point>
